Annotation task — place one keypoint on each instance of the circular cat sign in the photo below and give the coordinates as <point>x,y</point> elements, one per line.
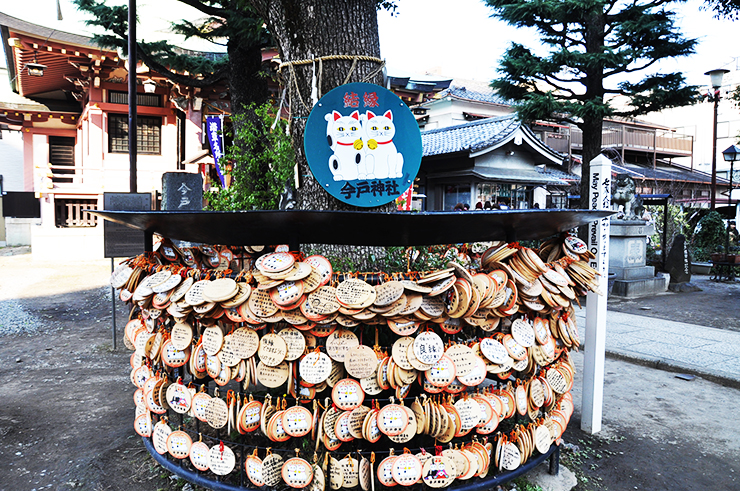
<point>363,144</point>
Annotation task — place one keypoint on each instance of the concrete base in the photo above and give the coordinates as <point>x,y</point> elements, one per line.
<point>636,273</point>
<point>642,287</point>
<point>18,231</point>
<point>564,481</point>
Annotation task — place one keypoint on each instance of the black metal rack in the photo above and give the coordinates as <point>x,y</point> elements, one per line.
<point>351,228</point>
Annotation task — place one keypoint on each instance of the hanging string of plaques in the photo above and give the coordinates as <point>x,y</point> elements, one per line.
<point>259,364</point>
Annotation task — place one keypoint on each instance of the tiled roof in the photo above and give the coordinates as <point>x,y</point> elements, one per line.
<point>469,137</point>
<point>669,173</point>
<point>559,174</point>
<point>526,176</point>
<point>476,93</point>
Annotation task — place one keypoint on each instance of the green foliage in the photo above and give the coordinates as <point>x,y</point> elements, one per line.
<point>405,259</point>
<point>401,259</point>
<point>224,23</point>
<point>590,42</point>
<point>709,237</point>
<point>678,223</point>
<point>523,485</point>
<point>261,161</point>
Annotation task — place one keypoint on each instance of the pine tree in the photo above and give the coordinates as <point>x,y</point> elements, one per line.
<point>593,49</point>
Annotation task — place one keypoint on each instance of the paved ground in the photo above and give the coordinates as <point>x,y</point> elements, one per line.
<point>716,305</point>
<point>678,346</point>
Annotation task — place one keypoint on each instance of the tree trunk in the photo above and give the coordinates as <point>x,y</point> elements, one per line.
<point>307,29</point>
<point>246,82</point>
<point>592,129</point>
<point>593,121</point>
<point>247,85</point>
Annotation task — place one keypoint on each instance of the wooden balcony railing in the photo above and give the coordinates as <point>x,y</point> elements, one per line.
<point>657,141</point>
<point>69,212</point>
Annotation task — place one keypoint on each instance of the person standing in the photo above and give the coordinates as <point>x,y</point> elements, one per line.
<point>733,233</point>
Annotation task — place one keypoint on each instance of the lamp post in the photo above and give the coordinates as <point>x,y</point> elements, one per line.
<point>731,154</point>
<point>715,78</point>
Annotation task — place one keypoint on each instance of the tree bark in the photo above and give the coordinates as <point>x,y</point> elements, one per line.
<point>247,85</point>
<point>308,29</point>
<point>593,122</point>
<point>246,82</point>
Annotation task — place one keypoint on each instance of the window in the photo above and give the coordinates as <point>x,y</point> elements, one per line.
<point>62,158</point>
<point>558,200</point>
<point>148,133</point>
<point>150,100</point>
<point>454,194</point>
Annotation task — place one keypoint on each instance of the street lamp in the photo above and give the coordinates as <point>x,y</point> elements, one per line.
<point>731,154</point>
<point>715,77</point>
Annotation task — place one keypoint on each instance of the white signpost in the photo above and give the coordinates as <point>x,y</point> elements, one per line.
<point>599,198</point>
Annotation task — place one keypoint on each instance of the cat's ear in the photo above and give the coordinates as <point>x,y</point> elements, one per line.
<point>388,114</point>
<point>370,115</point>
<point>356,115</point>
<point>336,115</point>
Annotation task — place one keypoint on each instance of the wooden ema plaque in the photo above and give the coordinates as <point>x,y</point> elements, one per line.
<point>297,473</point>
<point>339,343</point>
<point>360,361</point>
<point>272,350</point>
<point>272,466</point>
<point>199,456</point>
<point>221,459</point>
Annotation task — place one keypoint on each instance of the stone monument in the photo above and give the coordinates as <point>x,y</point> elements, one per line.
<point>182,191</point>
<point>678,265</point>
<point>628,247</point>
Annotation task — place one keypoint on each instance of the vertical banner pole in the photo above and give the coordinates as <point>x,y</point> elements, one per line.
<point>132,97</point>
<point>600,181</point>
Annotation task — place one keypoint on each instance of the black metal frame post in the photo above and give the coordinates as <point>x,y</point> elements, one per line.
<point>729,201</point>
<point>713,191</point>
<point>113,303</point>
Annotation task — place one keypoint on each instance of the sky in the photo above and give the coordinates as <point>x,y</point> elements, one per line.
<point>450,38</point>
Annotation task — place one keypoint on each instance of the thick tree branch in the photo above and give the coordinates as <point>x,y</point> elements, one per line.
<point>207,9</point>
<point>625,69</point>
<point>221,74</point>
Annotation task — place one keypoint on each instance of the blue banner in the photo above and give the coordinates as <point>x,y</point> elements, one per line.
<point>214,129</point>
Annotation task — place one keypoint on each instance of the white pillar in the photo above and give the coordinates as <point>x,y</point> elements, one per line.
<point>600,181</point>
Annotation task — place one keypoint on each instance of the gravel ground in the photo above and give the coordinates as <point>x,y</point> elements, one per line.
<point>14,320</point>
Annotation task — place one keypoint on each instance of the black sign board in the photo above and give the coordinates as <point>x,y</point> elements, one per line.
<point>182,191</point>
<point>121,240</point>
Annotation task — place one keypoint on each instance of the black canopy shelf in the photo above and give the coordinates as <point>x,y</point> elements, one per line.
<point>353,227</point>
